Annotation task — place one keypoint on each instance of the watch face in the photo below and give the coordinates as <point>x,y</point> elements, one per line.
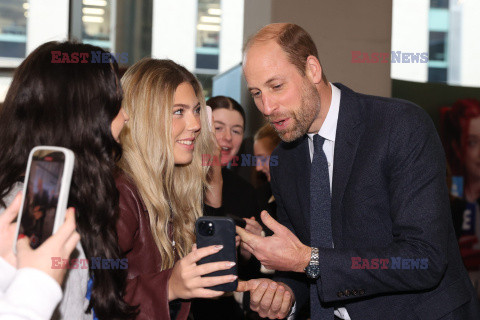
<point>312,271</point>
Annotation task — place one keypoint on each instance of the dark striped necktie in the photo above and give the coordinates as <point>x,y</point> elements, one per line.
<point>320,219</point>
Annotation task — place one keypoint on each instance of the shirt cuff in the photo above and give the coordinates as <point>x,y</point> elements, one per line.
<point>291,315</point>
<point>36,291</point>
<point>7,273</point>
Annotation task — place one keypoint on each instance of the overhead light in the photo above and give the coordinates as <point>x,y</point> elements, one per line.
<point>213,11</point>
<point>208,27</point>
<point>208,19</point>
<point>26,6</point>
<point>92,19</point>
<point>93,11</point>
<point>98,3</point>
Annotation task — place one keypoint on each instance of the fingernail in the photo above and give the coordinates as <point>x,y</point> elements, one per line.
<point>219,247</point>
<point>234,278</point>
<point>273,285</point>
<point>230,264</point>
<point>265,285</point>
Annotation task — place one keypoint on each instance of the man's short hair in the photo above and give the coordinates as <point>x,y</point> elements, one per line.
<point>294,41</point>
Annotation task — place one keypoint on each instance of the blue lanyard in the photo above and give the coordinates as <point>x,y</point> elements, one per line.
<point>89,295</point>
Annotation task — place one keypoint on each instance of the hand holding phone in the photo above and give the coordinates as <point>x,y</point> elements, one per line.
<point>46,188</point>
<point>187,278</point>
<point>218,231</point>
<point>8,229</point>
<point>60,245</point>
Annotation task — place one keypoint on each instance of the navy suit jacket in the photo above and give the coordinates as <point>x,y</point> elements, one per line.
<point>389,201</point>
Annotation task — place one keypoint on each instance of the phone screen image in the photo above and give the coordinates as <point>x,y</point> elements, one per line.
<point>41,196</point>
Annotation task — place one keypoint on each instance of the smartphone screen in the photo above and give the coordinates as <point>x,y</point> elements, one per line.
<point>41,196</point>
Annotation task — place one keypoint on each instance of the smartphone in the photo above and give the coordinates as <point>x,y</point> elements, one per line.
<point>218,231</point>
<point>45,193</point>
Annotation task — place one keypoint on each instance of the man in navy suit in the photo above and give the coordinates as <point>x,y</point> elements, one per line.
<point>388,248</point>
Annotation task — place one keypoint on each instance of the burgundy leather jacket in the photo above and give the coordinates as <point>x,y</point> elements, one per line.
<point>147,285</point>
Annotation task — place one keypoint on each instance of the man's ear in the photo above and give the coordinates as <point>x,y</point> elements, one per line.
<point>313,69</point>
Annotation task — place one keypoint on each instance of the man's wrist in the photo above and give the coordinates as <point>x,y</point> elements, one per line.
<point>305,259</point>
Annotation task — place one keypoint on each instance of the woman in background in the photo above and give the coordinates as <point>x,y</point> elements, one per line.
<point>238,201</point>
<point>162,188</point>
<point>76,106</point>
<point>461,137</point>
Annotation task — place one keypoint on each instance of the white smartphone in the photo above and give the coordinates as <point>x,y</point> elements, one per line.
<point>45,193</point>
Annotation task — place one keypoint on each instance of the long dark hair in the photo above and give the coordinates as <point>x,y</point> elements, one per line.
<point>72,105</point>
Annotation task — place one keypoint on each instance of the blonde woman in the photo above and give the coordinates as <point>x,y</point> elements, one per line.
<point>162,185</point>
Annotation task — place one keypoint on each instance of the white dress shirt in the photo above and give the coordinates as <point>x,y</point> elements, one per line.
<point>329,131</point>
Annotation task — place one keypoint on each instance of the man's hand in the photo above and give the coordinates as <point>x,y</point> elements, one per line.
<point>253,227</point>
<point>270,299</point>
<point>282,251</point>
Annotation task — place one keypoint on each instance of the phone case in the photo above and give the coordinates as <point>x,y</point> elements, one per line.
<point>64,190</point>
<point>224,235</point>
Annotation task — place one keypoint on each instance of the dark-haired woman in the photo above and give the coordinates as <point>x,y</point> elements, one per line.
<point>77,106</point>
<point>461,137</point>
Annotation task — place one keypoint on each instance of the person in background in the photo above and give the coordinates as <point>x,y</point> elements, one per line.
<point>163,186</point>
<point>29,286</point>
<point>461,139</point>
<point>76,106</point>
<point>238,201</point>
<point>265,141</point>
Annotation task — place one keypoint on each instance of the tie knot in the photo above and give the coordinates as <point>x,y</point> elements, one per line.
<point>318,142</point>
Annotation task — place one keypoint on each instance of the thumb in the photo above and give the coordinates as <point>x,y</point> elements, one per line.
<point>23,245</point>
<point>249,285</point>
<point>271,223</point>
<point>11,211</point>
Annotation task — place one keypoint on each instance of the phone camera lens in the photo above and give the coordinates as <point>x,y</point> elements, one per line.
<point>206,228</point>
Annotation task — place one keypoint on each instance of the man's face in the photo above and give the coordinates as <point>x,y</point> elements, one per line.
<point>288,100</point>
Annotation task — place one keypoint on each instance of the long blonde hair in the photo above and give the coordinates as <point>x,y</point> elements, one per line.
<point>171,193</point>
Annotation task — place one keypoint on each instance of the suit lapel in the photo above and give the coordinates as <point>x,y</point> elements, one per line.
<point>350,128</point>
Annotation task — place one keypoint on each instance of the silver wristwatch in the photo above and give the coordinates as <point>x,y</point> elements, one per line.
<point>313,269</point>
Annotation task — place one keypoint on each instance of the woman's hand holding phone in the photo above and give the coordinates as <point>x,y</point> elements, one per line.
<point>186,280</point>
<point>8,229</point>
<point>60,245</point>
